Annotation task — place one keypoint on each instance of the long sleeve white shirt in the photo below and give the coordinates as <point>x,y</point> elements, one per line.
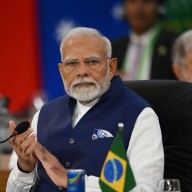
<point>145,154</point>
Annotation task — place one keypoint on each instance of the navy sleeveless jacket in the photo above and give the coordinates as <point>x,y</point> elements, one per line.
<point>77,148</point>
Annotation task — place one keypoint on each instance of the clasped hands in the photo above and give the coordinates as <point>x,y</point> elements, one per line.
<point>29,151</point>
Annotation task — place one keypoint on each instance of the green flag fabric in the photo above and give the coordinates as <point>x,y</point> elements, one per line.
<point>116,174</point>
<point>178,15</point>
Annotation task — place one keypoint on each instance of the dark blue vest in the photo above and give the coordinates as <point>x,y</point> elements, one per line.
<point>74,148</point>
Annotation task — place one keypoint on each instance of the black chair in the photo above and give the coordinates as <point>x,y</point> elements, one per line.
<point>172,101</point>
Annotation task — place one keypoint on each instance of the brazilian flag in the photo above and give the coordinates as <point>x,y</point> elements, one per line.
<point>116,174</point>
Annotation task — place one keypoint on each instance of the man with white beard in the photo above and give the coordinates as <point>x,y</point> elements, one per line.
<point>75,131</point>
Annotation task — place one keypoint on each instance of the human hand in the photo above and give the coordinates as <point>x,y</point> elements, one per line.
<point>24,145</point>
<point>54,169</point>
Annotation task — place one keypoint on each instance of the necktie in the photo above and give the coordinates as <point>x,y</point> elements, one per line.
<point>137,57</point>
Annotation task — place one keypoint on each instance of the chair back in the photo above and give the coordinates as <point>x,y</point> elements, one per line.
<point>172,102</point>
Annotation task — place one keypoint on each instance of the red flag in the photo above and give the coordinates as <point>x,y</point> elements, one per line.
<point>19,59</point>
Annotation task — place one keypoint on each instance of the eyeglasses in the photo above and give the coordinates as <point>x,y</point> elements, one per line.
<point>91,63</point>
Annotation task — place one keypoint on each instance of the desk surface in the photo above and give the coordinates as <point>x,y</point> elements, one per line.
<point>4,174</point>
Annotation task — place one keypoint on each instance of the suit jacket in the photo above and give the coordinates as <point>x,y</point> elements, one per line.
<point>161,65</point>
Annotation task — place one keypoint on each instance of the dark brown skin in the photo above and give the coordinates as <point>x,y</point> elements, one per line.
<point>141,14</point>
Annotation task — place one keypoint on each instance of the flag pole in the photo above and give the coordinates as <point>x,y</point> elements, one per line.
<point>120,127</point>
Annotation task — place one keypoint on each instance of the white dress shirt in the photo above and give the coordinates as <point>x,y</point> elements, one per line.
<point>145,154</point>
<point>144,67</point>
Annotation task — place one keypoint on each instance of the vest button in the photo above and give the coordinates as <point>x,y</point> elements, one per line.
<point>68,164</point>
<point>72,141</point>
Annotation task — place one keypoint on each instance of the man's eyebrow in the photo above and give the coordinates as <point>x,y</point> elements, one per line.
<point>70,58</point>
<point>92,57</point>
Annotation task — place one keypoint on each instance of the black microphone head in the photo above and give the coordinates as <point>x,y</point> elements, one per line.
<point>22,127</point>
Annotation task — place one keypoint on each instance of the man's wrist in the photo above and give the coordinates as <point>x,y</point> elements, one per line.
<point>24,167</point>
<point>21,169</point>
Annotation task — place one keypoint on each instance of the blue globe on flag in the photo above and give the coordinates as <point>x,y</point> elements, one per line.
<point>113,170</point>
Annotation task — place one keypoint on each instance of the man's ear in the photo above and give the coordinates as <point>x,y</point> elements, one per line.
<point>178,71</point>
<point>112,67</point>
<point>60,70</point>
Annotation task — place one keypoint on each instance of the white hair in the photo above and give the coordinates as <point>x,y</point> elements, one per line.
<point>82,31</point>
<point>181,47</point>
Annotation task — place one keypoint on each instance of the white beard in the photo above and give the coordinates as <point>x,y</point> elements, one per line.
<point>89,93</point>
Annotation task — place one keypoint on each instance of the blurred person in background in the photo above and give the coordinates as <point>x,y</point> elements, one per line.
<point>182,56</point>
<point>145,52</point>
<point>5,117</point>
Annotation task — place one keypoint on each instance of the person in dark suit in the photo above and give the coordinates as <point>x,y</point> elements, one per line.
<point>145,53</point>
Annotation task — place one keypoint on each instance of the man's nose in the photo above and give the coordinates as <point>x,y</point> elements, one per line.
<point>82,69</point>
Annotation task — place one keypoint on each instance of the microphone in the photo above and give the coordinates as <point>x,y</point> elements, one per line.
<point>20,128</point>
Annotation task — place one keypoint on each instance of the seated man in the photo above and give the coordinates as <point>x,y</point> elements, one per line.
<point>96,100</point>
<point>182,56</point>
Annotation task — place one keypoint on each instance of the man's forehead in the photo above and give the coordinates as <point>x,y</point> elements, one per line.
<point>84,38</point>
<point>85,47</point>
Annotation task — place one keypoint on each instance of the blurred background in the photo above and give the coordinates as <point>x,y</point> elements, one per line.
<point>31,31</point>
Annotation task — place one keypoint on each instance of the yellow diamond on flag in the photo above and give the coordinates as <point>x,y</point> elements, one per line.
<point>113,172</point>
